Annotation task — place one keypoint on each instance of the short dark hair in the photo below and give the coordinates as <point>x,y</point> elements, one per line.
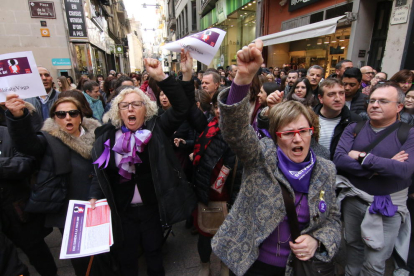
<point>270,87</point>
<point>352,73</point>
<point>293,72</point>
<point>89,85</point>
<point>331,82</point>
<point>99,76</point>
<point>339,64</point>
<point>121,79</point>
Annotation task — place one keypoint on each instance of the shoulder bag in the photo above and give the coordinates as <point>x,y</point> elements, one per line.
<point>313,266</point>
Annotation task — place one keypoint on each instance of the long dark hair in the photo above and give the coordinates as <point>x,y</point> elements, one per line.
<point>309,98</point>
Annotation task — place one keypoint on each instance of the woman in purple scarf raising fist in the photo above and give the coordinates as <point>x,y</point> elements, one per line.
<point>258,237</point>
<point>138,173</point>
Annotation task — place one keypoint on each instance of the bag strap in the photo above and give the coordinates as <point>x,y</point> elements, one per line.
<point>384,134</point>
<point>360,125</point>
<point>403,132</point>
<point>234,175</point>
<point>291,213</point>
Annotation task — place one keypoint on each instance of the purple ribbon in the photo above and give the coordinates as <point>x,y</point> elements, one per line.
<point>127,145</point>
<point>383,205</point>
<point>105,156</point>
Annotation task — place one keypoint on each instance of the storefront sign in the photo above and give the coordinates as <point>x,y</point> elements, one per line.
<point>298,4</point>
<point>42,10</point>
<point>361,53</point>
<point>45,32</point>
<point>400,15</point>
<point>61,62</point>
<point>76,19</point>
<point>119,49</point>
<point>221,11</point>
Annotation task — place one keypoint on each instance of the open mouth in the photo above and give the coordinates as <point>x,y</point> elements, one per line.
<point>297,150</point>
<point>69,126</point>
<point>132,119</point>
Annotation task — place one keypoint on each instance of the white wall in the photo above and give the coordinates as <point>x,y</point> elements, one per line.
<point>19,32</point>
<point>397,34</point>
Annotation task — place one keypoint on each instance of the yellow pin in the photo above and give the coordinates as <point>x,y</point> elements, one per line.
<point>321,195</point>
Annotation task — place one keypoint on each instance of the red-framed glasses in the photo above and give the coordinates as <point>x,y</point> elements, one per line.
<point>304,132</point>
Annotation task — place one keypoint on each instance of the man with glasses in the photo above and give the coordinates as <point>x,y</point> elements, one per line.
<point>378,167</point>
<point>354,99</point>
<point>367,75</point>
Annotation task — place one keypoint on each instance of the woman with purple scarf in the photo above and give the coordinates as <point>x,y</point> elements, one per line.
<point>256,239</point>
<point>139,174</point>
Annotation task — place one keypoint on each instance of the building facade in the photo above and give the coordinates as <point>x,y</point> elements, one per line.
<point>69,37</point>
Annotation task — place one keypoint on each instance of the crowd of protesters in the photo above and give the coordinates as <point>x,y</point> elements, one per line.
<point>303,162</point>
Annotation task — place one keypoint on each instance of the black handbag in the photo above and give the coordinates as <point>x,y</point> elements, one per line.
<point>312,266</point>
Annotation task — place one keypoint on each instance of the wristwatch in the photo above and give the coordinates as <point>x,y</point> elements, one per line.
<point>361,157</point>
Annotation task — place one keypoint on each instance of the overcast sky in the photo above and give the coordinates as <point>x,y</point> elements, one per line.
<point>146,16</point>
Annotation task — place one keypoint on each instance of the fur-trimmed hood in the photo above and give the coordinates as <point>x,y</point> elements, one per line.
<point>82,145</point>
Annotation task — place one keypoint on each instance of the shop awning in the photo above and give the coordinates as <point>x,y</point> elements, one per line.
<point>308,31</point>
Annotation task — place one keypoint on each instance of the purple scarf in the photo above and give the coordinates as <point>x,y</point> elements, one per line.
<point>127,145</point>
<point>383,205</point>
<point>297,174</point>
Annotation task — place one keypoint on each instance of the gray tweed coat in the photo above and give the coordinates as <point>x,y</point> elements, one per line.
<point>259,207</point>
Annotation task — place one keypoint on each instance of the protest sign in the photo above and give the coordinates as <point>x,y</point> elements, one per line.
<point>87,232</point>
<point>202,46</point>
<point>19,75</point>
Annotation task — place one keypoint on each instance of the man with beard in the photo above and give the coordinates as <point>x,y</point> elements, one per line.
<point>292,77</point>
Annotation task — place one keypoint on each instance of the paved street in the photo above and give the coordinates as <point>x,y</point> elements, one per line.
<point>180,253</point>
<point>180,256</point>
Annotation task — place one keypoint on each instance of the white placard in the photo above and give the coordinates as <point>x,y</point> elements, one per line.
<point>202,46</point>
<point>19,75</point>
<point>400,15</point>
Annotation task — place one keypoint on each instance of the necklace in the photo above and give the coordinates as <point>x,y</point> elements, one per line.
<point>279,242</point>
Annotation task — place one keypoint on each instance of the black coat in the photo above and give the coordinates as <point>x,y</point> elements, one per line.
<point>347,117</point>
<point>67,162</point>
<point>359,102</point>
<point>217,149</point>
<point>174,194</point>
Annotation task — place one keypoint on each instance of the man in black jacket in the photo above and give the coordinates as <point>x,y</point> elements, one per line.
<point>333,114</point>
<point>23,229</point>
<point>355,99</point>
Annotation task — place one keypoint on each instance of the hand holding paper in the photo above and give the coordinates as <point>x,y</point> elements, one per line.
<point>15,105</point>
<point>186,65</point>
<point>154,69</point>
<point>249,60</point>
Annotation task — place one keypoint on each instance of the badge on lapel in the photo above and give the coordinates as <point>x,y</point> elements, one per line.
<point>322,203</point>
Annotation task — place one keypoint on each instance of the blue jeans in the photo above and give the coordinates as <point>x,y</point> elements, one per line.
<point>361,259</point>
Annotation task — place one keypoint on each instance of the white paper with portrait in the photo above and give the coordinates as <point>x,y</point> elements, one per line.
<point>19,75</point>
<point>202,46</point>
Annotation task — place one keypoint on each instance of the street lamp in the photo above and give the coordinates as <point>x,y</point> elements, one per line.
<point>157,6</point>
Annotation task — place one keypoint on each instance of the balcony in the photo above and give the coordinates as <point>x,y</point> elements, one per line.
<point>172,23</point>
<point>207,5</point>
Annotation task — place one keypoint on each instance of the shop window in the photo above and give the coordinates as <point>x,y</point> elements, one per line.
<point>316,17</point>
<point>81,59</point>
<point>338,11</point>
<point>193,16</point>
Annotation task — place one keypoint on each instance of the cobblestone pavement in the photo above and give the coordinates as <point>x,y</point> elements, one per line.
<point>180,256</point>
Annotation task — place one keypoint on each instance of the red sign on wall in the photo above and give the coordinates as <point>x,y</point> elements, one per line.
<point>42,10</point>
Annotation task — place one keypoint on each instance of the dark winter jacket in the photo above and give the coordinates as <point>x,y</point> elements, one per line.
<point>173,193</point>
<point>217,149</point>
<point>358,102</point>
<point>347,117</point>
<point>68,163</point>
<point>35,101</point>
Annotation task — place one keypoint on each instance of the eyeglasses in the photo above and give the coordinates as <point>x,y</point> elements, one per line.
<point>134,104</point>
<point>371,73</point>
<point>62,114</point>
<point>380,102</point>
<point>287,135</point>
